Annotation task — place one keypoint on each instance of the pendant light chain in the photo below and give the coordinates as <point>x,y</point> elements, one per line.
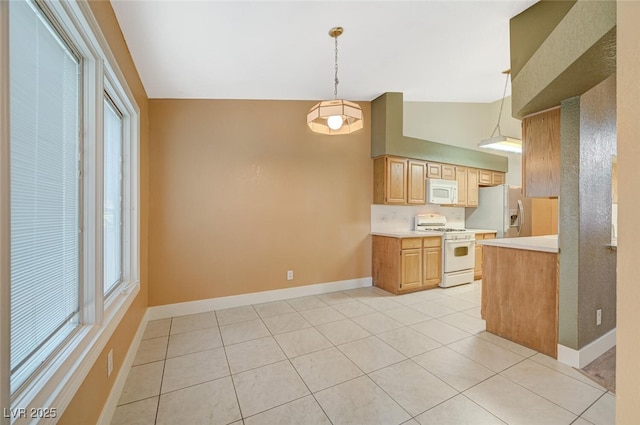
<point>337,116</point>
<point>335,86</point>
<point>504,93</point>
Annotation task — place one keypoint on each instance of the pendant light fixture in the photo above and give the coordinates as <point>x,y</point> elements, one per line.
<point>500,142</point>
<point>337,116</point>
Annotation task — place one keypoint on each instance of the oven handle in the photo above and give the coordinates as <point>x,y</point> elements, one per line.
<point>460,241</point>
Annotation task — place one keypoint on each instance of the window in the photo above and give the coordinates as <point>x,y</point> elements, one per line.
<point>45,189</point>
<point>69,210</point>
<point>112,233</point>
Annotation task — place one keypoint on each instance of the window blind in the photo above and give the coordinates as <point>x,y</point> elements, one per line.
<point>45,189</point>
<point>112,196</point>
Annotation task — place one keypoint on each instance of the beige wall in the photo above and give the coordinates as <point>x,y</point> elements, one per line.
<point>87,404</point>
<point>242,191</point>
<point>628,347</point>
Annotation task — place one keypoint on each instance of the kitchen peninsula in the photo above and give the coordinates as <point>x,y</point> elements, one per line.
<point>520,290</point>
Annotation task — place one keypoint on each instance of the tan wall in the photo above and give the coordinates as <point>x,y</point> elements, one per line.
<point>87,404</point>
<point>242,191</point>
<point>628,344</point>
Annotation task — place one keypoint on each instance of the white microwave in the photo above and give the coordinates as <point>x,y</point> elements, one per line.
<point>443,192</point>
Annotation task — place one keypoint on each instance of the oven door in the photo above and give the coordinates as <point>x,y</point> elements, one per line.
<point>459,255</point>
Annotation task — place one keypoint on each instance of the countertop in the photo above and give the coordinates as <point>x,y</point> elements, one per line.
<point>547,243</point>
<point>414,234</point>
<point>483,231</point>
<point>407,234</point>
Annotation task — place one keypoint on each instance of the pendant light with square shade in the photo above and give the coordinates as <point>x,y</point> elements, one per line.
<point>500,142</point>
<point>337,116</point>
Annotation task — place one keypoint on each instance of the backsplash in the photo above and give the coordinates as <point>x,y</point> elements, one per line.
<point>400,218</point>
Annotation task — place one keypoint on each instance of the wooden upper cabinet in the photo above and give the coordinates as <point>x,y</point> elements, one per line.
<point>399,181</point>
<point>416,183</point>
<point>472,187</point>
<point>448,172</point>
<point>541,154</point>
<point>497,177</point>
<point>434,170</point>
<point>461,178</point>
<point>396,181</point>
<point>485,177</point>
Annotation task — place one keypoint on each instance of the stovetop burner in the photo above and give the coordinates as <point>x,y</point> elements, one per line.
<point>445,229</point>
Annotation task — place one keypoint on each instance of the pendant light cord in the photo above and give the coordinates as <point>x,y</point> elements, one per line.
<point>504,93</point>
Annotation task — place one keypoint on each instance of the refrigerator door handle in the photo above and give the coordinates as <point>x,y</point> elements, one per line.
<point>520,216</point>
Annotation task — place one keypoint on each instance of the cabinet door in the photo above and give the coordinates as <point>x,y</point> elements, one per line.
<point>432,266</point>
<point>477,270</point>
<point>485,177</point>
<point>461,177</point>
<point>410,268</point>
<point>396,181</point>
<point>497,177</point>
<point>448,172</point>
<point>416,190</point>
<point>541,154</point>
<point>472,187</point>
<point>434,171</point>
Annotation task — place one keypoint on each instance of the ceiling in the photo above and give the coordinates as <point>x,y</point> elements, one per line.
<point>434,51</point>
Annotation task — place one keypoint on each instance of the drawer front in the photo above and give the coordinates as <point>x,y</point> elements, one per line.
<point>411,243</point>
<point>429,242</point>
<point>479,236</point>
<point>489,236</point>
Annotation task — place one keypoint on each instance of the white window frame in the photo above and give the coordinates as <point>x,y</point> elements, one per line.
<point>55,384</point>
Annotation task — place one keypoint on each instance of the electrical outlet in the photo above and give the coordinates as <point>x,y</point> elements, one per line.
<point>289,274</point>
<point>109,363</point>
<point>598,317</point>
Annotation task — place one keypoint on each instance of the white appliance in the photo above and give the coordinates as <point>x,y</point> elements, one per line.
<point>442,192</point>
<point>502,208</point>
<point>458,249</point>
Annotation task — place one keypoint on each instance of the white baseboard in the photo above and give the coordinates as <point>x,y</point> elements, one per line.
<point>582,357</point>
<point>201,306</point>
<point>109,408</point>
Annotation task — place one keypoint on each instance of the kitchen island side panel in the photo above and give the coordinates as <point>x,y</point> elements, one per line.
<point>520,297</point>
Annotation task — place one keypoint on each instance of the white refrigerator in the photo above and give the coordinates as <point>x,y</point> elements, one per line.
<point>502,208</point>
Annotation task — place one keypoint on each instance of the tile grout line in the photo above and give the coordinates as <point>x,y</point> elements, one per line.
<point>233,383</point>
<point>301,379</point>
<point>545,398</point>
<point>164,365</point>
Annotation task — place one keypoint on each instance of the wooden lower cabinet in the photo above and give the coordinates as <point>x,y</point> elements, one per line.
<point>477,270</point>
<point>432,266</point>
<point>410,269</point>
<point>406,264</point>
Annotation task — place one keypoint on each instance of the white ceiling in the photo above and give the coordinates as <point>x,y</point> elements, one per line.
<point>436,51</point>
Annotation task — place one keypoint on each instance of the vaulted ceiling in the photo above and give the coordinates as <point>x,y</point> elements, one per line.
<point>437,51</point>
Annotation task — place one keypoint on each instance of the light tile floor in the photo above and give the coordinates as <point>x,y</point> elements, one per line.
<point>362,356</point>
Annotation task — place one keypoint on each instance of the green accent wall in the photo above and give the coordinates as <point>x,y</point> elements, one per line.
<point>576,55</point>
<point>529,29</point>
<point>387,139</point>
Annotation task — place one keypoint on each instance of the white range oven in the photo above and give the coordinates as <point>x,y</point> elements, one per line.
<point>458,249</point>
